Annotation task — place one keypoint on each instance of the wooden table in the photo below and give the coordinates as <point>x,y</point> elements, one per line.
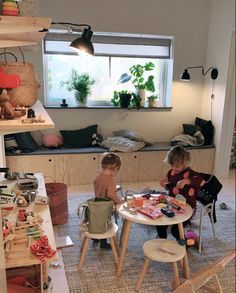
<point>142,219</point>
<point>43,211</point>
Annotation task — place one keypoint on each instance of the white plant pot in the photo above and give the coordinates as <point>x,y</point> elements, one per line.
<point>142,94</point>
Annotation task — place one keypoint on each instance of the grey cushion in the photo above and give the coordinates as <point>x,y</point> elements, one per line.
<point>122,144</point>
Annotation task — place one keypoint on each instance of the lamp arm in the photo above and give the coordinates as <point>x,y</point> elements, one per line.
<point>207,71</point>
<point>191,67</point>
<point>73,24</point>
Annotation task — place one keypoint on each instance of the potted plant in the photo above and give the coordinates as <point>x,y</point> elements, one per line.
<point>140,82</point>
<point>81,84</point>
<point>121,98</point>
<point>152,101</point>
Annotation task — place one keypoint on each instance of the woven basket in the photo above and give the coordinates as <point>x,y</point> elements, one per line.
<point>27,93</point>
<point>58,205</point>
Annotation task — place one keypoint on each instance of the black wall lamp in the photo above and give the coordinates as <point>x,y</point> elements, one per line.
<point>185,76</point>
<point>83,43</point>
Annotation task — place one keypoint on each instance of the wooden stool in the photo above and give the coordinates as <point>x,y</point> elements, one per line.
<point>110,234</point>
<point>162,250</point>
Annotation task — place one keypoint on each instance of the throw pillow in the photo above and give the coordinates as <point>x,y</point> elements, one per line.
<point>11,145</point>
<point>79,138</point>
<point>122,144</point>
<point>132,135</point>
<point>52,140</point>
<point>207,129</point>
<point>190,129</point>
<point>26,142</point>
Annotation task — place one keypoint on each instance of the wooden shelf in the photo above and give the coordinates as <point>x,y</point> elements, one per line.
<point>18,31</point>
<point>16,125</point>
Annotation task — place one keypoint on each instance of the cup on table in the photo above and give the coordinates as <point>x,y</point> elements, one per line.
<point>138,202</point>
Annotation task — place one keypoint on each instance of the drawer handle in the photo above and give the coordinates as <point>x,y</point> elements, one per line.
<point>50,160</point>
<point>135,157</point>
<point>94,158</point>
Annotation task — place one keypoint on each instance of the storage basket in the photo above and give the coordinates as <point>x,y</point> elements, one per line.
<point>58,205</point>
<point>26,93</point>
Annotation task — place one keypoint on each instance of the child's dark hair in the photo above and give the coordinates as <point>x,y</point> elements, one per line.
<point>110,161</point>
<point>177,156</point>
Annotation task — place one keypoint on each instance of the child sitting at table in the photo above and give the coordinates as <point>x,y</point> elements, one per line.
<point>180,179</point>
<point>105,183</point>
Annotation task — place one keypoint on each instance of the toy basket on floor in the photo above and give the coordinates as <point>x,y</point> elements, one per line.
<point>58,205</point>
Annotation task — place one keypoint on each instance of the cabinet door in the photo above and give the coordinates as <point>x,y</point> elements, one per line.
<point>202,160</point>
<point>76,169</point>
<point>34,164</point>
<point>148,166</point>
<point>129,167</point>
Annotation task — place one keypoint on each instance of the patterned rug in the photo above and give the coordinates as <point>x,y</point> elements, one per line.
<point>98,274</point>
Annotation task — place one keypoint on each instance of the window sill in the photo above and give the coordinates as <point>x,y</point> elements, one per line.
<point>110,107</point>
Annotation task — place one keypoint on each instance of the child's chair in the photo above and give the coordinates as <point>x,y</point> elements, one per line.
<point>162,250</point>
<point>109,234</point>
<point>207,196</point>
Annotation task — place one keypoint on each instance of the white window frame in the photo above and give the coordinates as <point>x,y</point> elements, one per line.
<point>120,42</point>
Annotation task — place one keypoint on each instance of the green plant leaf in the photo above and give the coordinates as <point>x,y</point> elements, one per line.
<point>149,66</point>
<point>136,70</point>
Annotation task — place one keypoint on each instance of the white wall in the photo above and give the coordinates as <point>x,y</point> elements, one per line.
<point>187,20</point>
<point>220,44</point>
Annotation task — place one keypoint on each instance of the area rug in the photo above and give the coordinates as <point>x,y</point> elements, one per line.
<point>98,274</point>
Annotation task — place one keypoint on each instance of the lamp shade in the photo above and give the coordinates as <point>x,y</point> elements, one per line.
<point>84,42</point>
<point>185,76</point>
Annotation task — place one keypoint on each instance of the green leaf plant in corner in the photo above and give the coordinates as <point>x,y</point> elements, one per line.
<point>81,84</point>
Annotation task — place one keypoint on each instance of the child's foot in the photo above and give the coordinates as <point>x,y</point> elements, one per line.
<point>105,245</point>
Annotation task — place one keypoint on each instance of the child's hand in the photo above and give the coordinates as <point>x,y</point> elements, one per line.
<point>180,184</point>
<point>163,182</point>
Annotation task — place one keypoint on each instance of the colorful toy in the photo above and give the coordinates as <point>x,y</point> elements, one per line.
<point>7,82</point>
<point>10,8</point>
<point>191,238</point>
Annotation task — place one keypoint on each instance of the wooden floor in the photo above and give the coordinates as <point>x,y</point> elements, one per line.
<point>227,195</point>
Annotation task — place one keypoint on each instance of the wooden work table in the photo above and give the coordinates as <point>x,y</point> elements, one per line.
<point>44,213</point>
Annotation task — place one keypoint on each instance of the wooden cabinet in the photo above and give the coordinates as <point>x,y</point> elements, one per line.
<point>129,167</point>
<point>202,160</point>
<point>35,164</point>
<point>76,169</point>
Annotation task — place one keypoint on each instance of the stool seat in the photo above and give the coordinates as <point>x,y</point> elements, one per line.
<point>163,250</point>
<point>112,230</point>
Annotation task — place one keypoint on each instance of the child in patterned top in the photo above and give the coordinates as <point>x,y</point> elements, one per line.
<point>180,179</point>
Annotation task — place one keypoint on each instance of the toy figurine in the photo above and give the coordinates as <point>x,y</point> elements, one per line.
<point>191,238</point>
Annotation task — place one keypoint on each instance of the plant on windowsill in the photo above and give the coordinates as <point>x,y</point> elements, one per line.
<point>126,99</point>
<point>140,82</point>
<point>81,84</point>
<point>152,101</point>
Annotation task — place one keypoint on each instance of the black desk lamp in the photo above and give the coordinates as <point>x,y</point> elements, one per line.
<point>82,43</point>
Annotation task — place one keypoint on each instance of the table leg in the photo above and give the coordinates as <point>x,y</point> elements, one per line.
<point>125,239</point>
<point>122,231</point>
<point>185,259</point>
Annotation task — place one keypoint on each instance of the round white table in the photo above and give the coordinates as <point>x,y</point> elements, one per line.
<point>145,220</point>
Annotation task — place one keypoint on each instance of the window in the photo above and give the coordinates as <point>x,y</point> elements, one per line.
<point>114,55</point>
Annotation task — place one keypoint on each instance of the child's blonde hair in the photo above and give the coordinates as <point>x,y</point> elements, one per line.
<point>111,161</point>
<point>177,156</point>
